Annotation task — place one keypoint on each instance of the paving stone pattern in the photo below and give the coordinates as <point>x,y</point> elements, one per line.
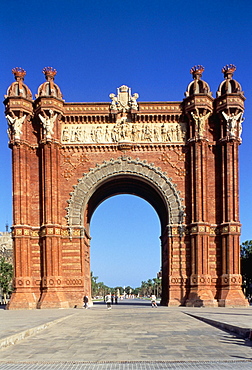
<point>128,337</point>
<point>199,365</point>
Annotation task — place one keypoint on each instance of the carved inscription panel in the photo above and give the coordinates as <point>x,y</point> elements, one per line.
<point>123,131</point>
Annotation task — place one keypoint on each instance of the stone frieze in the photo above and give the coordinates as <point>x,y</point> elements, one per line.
<point>123,132</point>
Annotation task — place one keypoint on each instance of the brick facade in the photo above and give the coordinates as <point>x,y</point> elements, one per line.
<point>182,157</point>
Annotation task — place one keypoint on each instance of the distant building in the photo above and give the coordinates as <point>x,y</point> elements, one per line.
<point>6,246</point>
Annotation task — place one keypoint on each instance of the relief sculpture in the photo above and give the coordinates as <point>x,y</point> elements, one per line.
<point>123,131</point>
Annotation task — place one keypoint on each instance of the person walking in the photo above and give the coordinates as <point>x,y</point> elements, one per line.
<point>85,300</point>
<point>108,301</point>
<point>153,301</point>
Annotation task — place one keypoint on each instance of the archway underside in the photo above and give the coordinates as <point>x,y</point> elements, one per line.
<point>128,185</point>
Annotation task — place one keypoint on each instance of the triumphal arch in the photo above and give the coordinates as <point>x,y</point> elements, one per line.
<point>181,157</point>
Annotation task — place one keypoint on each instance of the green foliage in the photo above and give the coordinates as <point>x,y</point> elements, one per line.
<point>93,284</point>
<point>149,287</point>
<point>98,288</point>
<point>246,249</point>
<point>6,275</point>
<point>128,289</point>
<point>246,265</point>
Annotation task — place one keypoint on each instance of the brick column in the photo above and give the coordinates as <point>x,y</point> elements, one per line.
<point>26,285</point>
<point>229,107</point>
<point>200,280</point>
<point>230,293</point>
<point>52,280</point>
<point>23,142</point>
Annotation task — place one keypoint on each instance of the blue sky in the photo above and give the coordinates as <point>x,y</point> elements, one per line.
<point>96,46</point>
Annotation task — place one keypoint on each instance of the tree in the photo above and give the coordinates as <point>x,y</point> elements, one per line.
<point>128,289</point>
<point>118,289</point>
<point>94,284</point>
<point>150,286</point>
<point>246,266</point>
<point>6,276</point>
<point>157,284</point>
<point>143,288</point>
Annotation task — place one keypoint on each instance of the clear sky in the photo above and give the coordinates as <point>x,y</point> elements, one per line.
<point>96,46</point>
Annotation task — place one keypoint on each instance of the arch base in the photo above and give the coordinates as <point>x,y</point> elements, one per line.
<point>201,298</point>
<point>23,301</point>
<point>53,299</point>
<point>232,298</point>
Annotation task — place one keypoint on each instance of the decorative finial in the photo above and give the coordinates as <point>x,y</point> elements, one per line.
<point>19,73</point>
<point>197,71</point>
<point>228,70</point>
<point>123,88</point>
<point>49,72</point>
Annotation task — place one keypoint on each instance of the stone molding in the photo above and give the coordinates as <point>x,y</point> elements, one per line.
<point>124,166</point>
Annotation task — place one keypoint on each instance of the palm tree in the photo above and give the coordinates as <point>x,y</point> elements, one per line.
<point>157,284</point>
<point>144,286</point>
<point>150,286</point>
<point>93,284</point>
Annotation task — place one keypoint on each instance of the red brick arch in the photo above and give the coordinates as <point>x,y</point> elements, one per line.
<point>126,168</point>
<point>182,157</point>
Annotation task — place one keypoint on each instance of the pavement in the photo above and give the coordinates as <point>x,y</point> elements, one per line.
<point>130,336</point>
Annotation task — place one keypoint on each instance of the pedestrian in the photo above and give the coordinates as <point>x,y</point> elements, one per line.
<point>85,300</point>
<point>153,301</point>
<point>108,301</point>
<point>116,299</point>
<point>112,299</point>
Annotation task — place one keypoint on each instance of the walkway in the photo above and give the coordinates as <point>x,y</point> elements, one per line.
<point>128,337</point>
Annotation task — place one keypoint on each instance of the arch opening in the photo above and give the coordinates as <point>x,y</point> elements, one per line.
<point>125,244</point>
<point>131,185</point>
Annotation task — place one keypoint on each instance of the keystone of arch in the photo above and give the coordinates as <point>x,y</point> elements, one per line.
<point>124,166</point>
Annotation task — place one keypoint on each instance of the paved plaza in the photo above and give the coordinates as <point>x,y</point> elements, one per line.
<point>130,336</point>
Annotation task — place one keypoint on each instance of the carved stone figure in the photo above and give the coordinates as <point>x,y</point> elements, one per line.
<point>124,101</point>
<point>234,124</point>
<point>169,134</point>
<point>163,133</point>
<point>134,104</point>
<point>113,105</point>
<point>78,134</point>
<point>48,124</point>
<point>178,132</point>
<point>15,124</point>
<point>200,121</point>
<point>114,134</point>
<point>148,133</point>
<point>107,134</point>
<point>135,133</point>
<point>66,134</point>
<point>98,134</point>
<point>156,133</point>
